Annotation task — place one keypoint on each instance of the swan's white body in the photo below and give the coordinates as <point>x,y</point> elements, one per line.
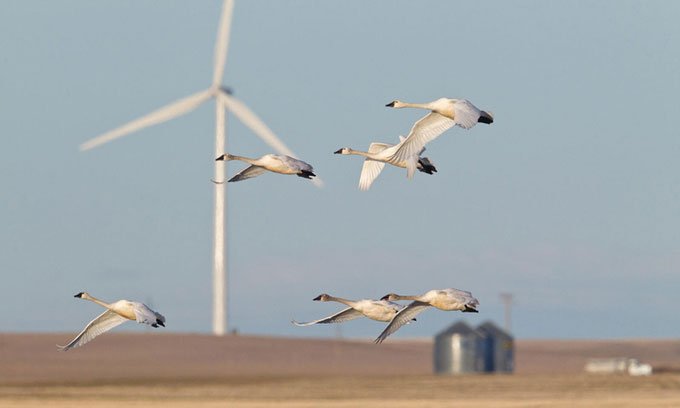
<point>445,114</point>
<point>276,163</point>
<point>116,313</point>
<point>380,153</point>
<point>380,310</point>
<point>443,299</point>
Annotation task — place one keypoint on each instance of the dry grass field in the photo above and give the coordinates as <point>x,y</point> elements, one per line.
<point>175,370</point>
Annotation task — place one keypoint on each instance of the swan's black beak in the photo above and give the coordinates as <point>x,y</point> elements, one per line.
<point>79,295</point>
<point>337,151</point>
<point>220,158</point>
<point>386,297</point>
<point>414,319</point>
<point>390,105</point>
<point>317,298</point>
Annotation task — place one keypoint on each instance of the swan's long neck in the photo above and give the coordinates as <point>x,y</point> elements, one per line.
<point>240,158</point>
<point>400,105</point>
<point>405,297</point>
<point>97,301</point>
<point>347,302</point>
<point>360,153</point>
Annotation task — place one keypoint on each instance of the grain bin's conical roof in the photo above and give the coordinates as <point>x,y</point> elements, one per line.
<point>489,328</point>
<point>460,327</point>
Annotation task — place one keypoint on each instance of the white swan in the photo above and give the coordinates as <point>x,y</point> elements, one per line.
<point>443,299</point>
<point>380,310</point>
<point>277,163</point>
<point>115,314</point>
<point>445,114</point>
<point>377,155</point>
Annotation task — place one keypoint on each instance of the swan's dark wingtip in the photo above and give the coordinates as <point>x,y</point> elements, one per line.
<point>306,174</point>
<point>485,117</point>
<point>426,166</point>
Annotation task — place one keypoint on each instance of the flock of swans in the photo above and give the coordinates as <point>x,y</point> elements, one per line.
<point>444,114</point>
<point>385,310</point>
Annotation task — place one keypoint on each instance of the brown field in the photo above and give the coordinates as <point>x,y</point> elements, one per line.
<point>176,370</point>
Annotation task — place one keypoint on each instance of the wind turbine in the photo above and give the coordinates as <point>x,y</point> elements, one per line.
<point>223,101</point>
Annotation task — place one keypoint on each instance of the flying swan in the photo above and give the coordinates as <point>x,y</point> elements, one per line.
<point>442,299</point>
<point>377,155</point>
<point>445,113</point>
<point>115,314</point>
<point>277,163</point>
<point>380,310</point>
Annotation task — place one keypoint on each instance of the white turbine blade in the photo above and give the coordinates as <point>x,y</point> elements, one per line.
<point>222,42</point>
<point>160,115</point>
<point>248,117</point>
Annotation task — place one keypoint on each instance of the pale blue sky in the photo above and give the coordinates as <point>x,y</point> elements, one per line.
<point>569,200</point>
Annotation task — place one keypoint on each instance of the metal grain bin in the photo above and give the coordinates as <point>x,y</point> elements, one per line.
<point>498,348</point>
<point>457,350</point>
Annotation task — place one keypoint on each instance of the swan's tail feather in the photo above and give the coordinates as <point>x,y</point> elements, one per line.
<point>411,165</point>
<point>485,117</point>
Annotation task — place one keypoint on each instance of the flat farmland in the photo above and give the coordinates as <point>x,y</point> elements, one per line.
<point>174,370</point>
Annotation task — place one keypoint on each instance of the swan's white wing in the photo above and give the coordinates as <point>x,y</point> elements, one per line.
<point>423,131</point>
<point>377,147</point>
<point>248,172</point>
<point>342,316</point>
<point>369,172</point>
<point>145,315</point>
<point>402,138</point>
<point>403,317</point>
<point>294,163</point>
<point>101,324</point>
<point>465,114</point>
